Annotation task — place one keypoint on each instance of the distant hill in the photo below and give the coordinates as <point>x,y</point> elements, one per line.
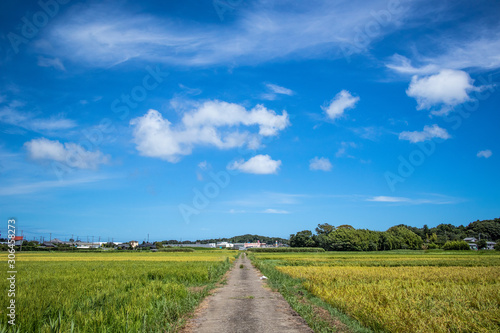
<point>248,238</point>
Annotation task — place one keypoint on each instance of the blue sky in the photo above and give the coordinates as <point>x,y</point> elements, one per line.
<point>201,119</point>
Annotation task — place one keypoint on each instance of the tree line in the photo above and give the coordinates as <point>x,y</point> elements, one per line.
<point>347,238</point>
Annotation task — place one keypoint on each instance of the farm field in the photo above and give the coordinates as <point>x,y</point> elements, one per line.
<point>401,291</point>
<point>111,292</point>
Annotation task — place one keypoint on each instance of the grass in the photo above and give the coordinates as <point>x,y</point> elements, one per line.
<point>398,291</point>
<point>319,315</point>
<point>111,292</point>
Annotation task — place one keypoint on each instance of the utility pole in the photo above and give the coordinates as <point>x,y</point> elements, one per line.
<point>21,248</point>
<point>148,238</point>
<point>50,237</point>
<point>87,239</point>
<point>92,241</point>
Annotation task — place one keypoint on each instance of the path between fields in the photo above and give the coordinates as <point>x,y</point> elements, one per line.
<point>245,304</point>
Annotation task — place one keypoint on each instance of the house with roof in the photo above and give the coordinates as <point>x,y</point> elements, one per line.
<point>490,245</point>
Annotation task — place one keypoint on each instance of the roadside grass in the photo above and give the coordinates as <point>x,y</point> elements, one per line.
<point>394,291</point>
<point>319,315</point>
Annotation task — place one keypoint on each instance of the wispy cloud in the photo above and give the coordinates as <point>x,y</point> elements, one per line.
<point>35,187</point>
<point>51,62</point>
<point>275,90</point>
<point>430,200</point>
<point>275,211</point>
<point>478,51</point>
<point>342,151</point>
<point>485,153</point>
<point>104,34</point>
<point>320,163</point>
<point>429,133</point>
<point>10,114</point>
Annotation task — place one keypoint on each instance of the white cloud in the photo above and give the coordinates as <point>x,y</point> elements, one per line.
<point>485,153</point>
<point>276,90</point>
<point>275,211</point>
<point>341,102</point>
<point>213,123</point>
<point>10,114</point>
<point>446,89</point>
<point>104,34</point>
<point>320,163</point>
<point>387,199</point>
<point>70,153</point>
<point>428,133</point>
<point>479,50</point>
<point>27,188</point>
<point>51,124</point>
<point>279,90</point>
<point>259,164</point>
<point>403,65</point>
<point>204,165</point>
<point>343,149</point>
<point>49,62</point>
<point>431,199</point>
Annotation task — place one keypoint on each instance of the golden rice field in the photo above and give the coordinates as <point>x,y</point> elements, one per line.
<point>405,292</point>
<point>110,292</point>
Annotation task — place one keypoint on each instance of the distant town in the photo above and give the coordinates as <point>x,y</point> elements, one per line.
<point>252,241</point>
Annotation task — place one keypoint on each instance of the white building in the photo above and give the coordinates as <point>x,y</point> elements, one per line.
<point>225,245</point>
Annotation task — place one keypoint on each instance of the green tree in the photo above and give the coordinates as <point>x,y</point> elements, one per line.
<point>405,238</point>
<point>302,239</point>
<point>456,245</point>
<point>481,244</point>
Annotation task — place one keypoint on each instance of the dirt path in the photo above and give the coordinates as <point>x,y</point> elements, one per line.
<point>245,304</point>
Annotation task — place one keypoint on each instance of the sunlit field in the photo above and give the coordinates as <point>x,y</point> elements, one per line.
<point>111,292</point>
<point>403,291</point>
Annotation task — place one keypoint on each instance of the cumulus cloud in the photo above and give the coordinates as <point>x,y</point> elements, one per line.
<point>213,123</point>
<point>444,90</point>
<point>320,163</point>
<point>341,102</point>
<point>259,164</point>
<point>429,132</point>
<point>69,153</point>
<point>484,153</point>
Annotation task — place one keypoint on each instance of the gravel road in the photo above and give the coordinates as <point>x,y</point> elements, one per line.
<point>245,304</point>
